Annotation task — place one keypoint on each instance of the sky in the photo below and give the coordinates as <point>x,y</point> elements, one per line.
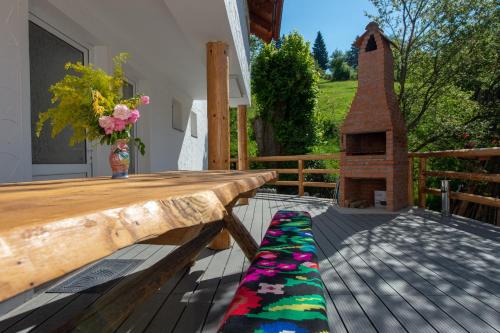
<point>338,20</point>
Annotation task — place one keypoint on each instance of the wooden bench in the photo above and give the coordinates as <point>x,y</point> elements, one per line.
<point>282,290</point>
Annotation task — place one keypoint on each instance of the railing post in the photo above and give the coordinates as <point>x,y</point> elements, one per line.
<point>301,178</point>
<point>445,197</point>
<point>421,181</point>
<point>410,181</point>
<point>242,144</point>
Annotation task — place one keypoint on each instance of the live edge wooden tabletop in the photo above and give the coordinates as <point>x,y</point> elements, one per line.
<point>50,228</point>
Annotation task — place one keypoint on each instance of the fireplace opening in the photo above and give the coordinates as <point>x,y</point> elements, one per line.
<point>366,144</point>
<point>363,190</point>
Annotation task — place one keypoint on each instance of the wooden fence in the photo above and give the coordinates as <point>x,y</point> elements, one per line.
<point>423,173</point>
<point>300,170</point>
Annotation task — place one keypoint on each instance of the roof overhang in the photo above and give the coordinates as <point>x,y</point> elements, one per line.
<point>265,18</point>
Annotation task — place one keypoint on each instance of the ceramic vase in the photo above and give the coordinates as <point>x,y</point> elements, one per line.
<point>119,159</point>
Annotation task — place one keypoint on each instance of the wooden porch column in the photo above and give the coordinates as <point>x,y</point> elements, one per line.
<point>242,143</point>
<point>218,119</point>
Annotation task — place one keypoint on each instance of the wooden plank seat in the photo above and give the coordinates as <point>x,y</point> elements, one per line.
<point>282,290</point>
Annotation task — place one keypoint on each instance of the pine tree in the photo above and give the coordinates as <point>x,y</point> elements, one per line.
<point>320,53</point>
<point>352,55</point>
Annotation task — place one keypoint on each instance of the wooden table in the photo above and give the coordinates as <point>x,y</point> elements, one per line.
<point>51,228</point>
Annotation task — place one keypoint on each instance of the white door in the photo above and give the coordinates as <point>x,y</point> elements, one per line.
<point>53,158</point>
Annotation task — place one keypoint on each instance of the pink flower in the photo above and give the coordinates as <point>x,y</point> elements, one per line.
<point>119,124</point>
<point>121,111</point>
<point>106,122</point>
<point>145,100</point>
<point>134,116</point>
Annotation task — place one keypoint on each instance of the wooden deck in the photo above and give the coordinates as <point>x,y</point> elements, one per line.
<point>408,272</point>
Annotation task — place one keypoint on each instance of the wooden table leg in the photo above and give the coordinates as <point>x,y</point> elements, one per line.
<point>240,233</point>
<point>221,242</point>
<point>235,228</point>
<point>114,307</point>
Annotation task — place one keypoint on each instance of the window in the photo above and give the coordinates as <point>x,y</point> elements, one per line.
<point>194,124</point>
<point>177,119</point>
<point>48,55</point>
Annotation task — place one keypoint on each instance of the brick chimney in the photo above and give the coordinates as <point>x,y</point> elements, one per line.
<point>374,152</point>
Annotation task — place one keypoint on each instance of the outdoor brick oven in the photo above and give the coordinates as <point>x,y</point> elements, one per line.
<point>374,152</point>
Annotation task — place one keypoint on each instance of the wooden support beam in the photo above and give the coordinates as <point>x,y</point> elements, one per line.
<point>218,106</point>
<point>110,310</point>
<point>242,143</point>
<point>421,181</point>
<point>218,118</point>
<point>241,235</point>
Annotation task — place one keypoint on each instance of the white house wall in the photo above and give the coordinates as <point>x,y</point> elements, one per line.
<point>238,21</point>
<point>15,138</point>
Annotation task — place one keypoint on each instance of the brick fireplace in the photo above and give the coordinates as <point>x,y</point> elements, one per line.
<point>374,153</point>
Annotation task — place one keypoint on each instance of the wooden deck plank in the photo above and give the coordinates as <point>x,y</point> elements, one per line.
<point>380,316</point>
<point>441,255</point>
<point>140,318</point>
<point>452,248</point>
<point>334,320</point>
<point>461,315</point>
<point>423,309</point>
<point>446,281</point>
<point>353,315</point>
<point>200,301</point>
<point>46,305</point>
<point>171,310</point>
<point>461,244</point>
<point>230,276</point>
<point>149,253</point>
<point>443,285</point>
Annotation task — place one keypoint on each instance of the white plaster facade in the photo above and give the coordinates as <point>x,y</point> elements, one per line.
<point>166,40</point>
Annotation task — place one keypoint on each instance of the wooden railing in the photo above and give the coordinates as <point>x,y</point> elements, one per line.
<point>423,173</point>
<point>300,171</point>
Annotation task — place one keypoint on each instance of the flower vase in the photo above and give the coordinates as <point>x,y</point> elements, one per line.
<point>119,159</point>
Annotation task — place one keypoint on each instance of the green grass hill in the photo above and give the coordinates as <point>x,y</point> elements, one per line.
<point>333,104</point>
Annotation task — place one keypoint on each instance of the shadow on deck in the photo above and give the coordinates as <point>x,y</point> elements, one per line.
<point>383,272</point>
